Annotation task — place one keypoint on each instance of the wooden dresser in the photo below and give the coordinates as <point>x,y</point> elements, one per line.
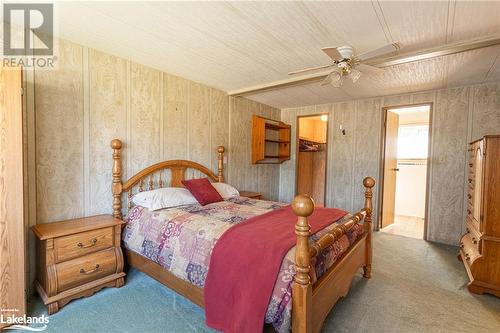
<point>480,245</point>
<point>77,258</point>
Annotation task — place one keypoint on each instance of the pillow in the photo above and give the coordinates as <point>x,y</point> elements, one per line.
<point>226,191</point>
<point>202,190</point>
<point>164,198</point>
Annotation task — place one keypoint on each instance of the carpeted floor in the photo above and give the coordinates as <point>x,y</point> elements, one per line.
<point>416,287</point>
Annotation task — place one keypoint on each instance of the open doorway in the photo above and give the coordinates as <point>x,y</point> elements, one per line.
<point>405,168</point>
<point>312,134</point>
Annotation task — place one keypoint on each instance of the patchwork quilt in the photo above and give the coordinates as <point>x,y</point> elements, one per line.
<point>181,240</point>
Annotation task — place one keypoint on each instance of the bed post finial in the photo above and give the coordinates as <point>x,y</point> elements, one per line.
<point>116,145</point>
<point>220,165</point>
<point>368,183</point>
<point>302,206</point>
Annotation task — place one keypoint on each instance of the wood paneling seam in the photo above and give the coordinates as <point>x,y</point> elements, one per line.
<point>470,123</point>
<point>162,110</point>
<point>31,167</point>
<point>86,131</point>
<point>353,152</point>
<point>128,121</point>
<point>211,110</point>
<point>188,116</point>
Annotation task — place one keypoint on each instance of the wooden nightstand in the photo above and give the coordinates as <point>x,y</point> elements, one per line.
<point>77,258</point>
<point>252,195</point>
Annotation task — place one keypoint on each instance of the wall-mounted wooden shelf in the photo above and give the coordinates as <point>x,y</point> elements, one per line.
<point>270,141</point>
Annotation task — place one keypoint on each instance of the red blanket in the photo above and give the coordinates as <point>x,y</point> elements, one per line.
<point>245,263</point>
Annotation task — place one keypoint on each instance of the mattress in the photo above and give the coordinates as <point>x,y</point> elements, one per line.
<point>181,240</point>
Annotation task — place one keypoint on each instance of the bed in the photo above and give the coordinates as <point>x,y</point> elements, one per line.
<point>313,274</point>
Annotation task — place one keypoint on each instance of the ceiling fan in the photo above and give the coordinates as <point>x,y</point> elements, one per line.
<point>347,64</point>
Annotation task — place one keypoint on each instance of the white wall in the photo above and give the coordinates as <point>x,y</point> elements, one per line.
<point>410,190</point>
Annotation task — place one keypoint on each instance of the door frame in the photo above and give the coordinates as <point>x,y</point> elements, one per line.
<point>382,163</point>
<point>297,139</point>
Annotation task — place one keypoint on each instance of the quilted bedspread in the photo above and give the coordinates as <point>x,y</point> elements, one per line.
<point>181,240</point>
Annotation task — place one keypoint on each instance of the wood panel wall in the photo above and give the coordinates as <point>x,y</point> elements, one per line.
<point>459,115</point>
<point>93,97</point>
<point>263,178</point>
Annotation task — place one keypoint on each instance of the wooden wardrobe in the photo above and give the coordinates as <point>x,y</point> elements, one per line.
<point>12,223</point>
<point>480,245</point>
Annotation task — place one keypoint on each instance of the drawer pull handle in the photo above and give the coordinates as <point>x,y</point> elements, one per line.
<point>92,243</point>
<point>470,165</point>
<point>470,180</point>
<point>95,269</point>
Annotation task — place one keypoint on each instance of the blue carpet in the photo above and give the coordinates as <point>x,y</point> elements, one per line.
<point>141,305</point>
<point>416,287</point>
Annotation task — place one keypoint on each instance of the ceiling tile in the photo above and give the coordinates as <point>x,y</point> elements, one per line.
<point>416,24</point>
<point>475,19</point>
<point>473,66</point>
<point>233,45</point>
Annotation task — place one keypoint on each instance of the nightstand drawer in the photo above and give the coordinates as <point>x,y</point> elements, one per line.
<point>91,267</point>
<point>77,245</point>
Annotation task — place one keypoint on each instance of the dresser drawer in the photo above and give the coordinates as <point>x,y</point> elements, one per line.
<point>77,245</point>
<point>469,248</point>
<point>88,268</point>
<point>472,230</point>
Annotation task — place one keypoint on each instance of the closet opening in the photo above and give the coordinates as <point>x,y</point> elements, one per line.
<point>405,161</point>
<point>312,134</point>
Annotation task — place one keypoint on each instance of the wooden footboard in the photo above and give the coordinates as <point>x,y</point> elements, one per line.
<point>312,303</point>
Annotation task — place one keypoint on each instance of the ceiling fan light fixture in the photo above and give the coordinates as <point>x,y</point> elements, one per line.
<point>346,51</point>
<point>354,74</point>
<point>338,80</point>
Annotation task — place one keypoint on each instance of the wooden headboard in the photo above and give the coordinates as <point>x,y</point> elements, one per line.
<point>145,179</point>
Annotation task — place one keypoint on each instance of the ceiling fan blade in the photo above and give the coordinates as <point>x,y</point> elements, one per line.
<point>380,51</point>
<point>310,69</point>
<point>327,80</point>
<point>332,52</point>
<point>369,69</point>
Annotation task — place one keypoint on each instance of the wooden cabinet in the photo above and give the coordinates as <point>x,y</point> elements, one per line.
<point>270,141</point>
<point>480,245</point>
<point>12,205</point>
<point>77,258</point>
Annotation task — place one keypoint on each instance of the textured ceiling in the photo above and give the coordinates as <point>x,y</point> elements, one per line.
<point>234,45</point>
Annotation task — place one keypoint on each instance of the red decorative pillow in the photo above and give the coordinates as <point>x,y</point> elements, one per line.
<point>202,190</point>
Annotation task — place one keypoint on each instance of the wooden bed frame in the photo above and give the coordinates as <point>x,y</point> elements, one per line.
<point>311,303</point>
